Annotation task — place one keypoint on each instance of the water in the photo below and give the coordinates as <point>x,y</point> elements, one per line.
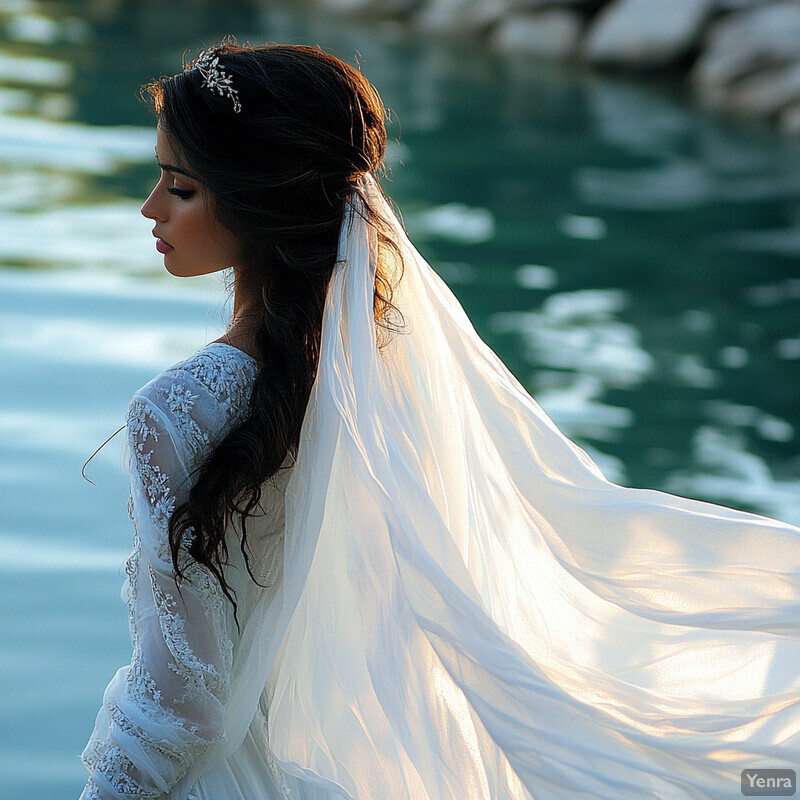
<point>632,260</point>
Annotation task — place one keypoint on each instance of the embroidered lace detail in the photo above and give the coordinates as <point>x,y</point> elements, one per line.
<point>180,400</point>
<point>198,673</point>
<point>174,696</point>
<point>91,792</point>
<point>162,746</point>
<point>227,372</point>
<point>277,776</point>
<point>228,375</point>
<point>274,770</point>
<point>142,431</point>
<point>116,768</point>
<point>128,593</point>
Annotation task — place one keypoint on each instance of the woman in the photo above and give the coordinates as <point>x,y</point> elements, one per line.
<point>366,564</point>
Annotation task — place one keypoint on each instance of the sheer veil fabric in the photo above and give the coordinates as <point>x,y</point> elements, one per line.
<point>470,610</point>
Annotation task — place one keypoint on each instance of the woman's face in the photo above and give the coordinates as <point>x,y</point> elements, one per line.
<point>189,235</point>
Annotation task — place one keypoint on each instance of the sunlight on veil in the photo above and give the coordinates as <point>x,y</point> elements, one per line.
<point>471,610</point>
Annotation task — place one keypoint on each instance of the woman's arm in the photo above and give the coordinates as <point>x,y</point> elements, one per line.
<point>163,712</point>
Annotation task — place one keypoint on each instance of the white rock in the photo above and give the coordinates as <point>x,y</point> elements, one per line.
<point>646,34</point>
<point>383,8</point>
<point>789,122</point>
<point>540,4</point>
<point>742,43</point>
<point>766,93</point>
<point>551,34</point>
<point>459,17</point>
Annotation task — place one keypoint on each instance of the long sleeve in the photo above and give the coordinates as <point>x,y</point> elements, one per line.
<point>163,712</point>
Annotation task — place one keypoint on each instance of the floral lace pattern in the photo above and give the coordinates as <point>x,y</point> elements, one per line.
<point>114,767</point>
<point>198,673</point>
<point>143,431</point>
<point>227,376</point>
<point>173,697</point>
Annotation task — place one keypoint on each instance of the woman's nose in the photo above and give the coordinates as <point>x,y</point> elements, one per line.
<point>150,208</point>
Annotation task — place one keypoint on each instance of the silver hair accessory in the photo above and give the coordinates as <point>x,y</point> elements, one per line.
<point>215,78</point>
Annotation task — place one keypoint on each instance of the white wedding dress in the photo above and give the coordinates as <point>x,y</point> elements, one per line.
<point>461,606</point>
<point>168,705</point>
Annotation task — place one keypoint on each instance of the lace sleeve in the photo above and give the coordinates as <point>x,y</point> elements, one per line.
<point>163,712</point>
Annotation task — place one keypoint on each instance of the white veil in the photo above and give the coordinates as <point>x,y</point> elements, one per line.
<point>469,610</point>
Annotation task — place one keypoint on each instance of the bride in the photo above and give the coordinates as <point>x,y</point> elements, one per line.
<point>366,564</point>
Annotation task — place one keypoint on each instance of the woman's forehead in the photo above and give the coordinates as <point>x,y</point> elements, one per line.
<point>169,153</point>
<point>164,143</point>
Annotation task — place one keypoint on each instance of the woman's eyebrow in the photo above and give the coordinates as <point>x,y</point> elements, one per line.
<point>172,168</point>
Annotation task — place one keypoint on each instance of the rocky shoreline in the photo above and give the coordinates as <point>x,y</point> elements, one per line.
<point>737,56</point>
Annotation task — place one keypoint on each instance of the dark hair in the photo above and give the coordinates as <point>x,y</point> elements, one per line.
<point>278,173</point>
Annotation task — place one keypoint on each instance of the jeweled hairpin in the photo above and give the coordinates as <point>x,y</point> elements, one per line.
<point>215,78</point>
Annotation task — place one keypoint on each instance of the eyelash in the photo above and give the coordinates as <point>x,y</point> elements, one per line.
<point>184,194</point>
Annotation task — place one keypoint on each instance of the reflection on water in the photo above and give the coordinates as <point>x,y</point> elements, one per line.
<point>17,555</point>
<point>71,149</point>
<point>692,162</point>
<point>454,221</point>
<point>724,470</point>
<point>580,349</point>
<point>633,260</point>
<point>33,71</point>
<point>52,212</point>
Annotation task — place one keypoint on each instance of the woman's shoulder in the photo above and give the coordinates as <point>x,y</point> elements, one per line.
<point>207,391</point>
<point>219,368</point>
<point>224,370</point>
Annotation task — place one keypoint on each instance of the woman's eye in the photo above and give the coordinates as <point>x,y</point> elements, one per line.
<point>184,194</point>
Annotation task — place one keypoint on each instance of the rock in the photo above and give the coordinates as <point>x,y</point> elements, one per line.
<point>789,120</point>
<point>743,43</point>
<point>551,34</point>
<point>646,34</point>
<point>372,8</point>
<point>766,93</point>
<point>460,17</point>
<point>538,5</point>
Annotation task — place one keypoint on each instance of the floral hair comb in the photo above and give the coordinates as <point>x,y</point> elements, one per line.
<point>215,78</point>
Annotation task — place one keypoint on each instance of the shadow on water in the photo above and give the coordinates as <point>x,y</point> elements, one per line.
<point>631,259</point>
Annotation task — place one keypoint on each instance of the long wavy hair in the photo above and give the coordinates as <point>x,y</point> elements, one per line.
<point>278,173</point>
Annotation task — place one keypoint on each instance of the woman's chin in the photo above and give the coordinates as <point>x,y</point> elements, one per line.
<point>173,269</point>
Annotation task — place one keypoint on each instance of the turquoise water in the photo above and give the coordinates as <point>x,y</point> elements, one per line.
<point>632,260</point>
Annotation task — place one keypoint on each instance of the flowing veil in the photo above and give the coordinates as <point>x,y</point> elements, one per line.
<point>470,610</point>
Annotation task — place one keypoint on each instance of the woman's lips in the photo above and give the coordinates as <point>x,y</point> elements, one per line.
<point>163,247</point>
